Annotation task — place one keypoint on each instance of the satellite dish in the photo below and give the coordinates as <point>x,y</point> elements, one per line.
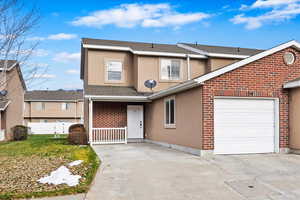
<point>3,92</point>
<point>150,84</point>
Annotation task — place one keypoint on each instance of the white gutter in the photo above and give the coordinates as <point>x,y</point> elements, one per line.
<point>118,98</point>
<point>175,89</point>
<point>150,53</point>
<point>292,84</point>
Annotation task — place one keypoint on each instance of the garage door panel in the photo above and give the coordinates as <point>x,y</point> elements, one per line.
<point>244,126</point>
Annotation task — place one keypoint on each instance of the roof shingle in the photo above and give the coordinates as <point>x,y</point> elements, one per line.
<point>53,95</point>
<point>112,91</point>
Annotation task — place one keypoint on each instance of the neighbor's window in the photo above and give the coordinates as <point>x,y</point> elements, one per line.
<point>40,105</point>
<point>114,70</point>
<point>169,69</point>
<point>65,106</point>
<point>170,112</point>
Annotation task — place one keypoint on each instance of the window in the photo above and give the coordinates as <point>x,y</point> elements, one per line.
<point>114,70</point>
<point>43,120</point>
<point>170,113</point>
<point>65,106</point>
<point>40,105</point>
<point>169,69</point>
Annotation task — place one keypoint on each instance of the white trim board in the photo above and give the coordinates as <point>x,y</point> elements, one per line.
<point>152,53</point>
<point>218,55</point>
<point>118,98</point>
<point>292,84</point>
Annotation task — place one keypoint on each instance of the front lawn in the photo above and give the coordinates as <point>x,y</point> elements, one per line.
<point>22,163</point>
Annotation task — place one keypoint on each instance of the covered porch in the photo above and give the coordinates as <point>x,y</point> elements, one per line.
<point>116,122</point>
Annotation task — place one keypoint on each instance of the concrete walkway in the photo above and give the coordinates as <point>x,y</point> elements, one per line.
<point>150,172</point>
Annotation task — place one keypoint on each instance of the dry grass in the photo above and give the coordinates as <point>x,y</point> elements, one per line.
<point>23,163</point>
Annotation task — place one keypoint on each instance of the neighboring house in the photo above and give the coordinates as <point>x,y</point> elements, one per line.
<point>11,98</point>
<point>53,106</point>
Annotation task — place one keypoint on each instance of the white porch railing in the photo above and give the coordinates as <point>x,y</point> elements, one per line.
<point>2,134</point>
<point>108,136</point>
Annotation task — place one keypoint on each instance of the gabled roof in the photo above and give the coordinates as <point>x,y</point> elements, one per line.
<point>54,95</point>
<point>220,51</point>
<point>3,104</point>
<point>94,90</point>
<point>201,80</point>
<point>10,64</point>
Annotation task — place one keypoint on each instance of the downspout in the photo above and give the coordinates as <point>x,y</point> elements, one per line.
<point>188,67</point>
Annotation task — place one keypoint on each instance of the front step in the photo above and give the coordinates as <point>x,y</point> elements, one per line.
<point>135,140</point>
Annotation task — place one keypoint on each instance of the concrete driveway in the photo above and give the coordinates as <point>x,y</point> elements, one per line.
<point>147,171</point>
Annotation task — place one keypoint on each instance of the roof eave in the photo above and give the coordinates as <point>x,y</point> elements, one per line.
<point>118,98</point>
<point>150,53</point>
<point>292,84</point>
<point>175,89</point>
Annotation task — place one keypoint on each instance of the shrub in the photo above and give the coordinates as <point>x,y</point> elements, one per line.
<point>77,134</point>
<point>20,132</point>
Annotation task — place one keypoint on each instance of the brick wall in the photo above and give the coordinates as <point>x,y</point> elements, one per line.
<point>262,78</point>
<point>109,114</point>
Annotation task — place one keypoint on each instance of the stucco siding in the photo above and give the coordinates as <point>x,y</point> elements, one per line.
<point>15,110</point>
<point>216,63</point>
<point>188,131</point>
<point>97,67</point>
<point>149,68</point>
<point>54,109</point>
<point>294,116</point>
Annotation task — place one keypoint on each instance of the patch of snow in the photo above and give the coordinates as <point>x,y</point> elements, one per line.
<point>60,176</point>
<point>76,162</point>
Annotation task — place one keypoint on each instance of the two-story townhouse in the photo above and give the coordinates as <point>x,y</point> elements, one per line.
<point>11,97</point>
<point>53,106</point>
<point>114,75</point>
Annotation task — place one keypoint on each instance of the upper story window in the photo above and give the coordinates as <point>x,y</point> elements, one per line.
<point>114,70</point>
<point>170,69</point>
<point>170,112</point>
<point>40,105</point>
<point>65,106</point>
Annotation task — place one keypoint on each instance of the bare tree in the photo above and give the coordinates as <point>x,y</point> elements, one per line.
<point>16,24</point>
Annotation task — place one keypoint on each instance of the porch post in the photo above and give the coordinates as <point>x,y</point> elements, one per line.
<point>90,121</point>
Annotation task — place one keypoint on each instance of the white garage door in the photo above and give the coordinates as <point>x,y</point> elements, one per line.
<point>244,126</point>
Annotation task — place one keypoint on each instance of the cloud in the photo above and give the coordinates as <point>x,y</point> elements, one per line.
<point>281,10</point>
<point>272,3</point>
<point>144,15</point>
<point>44,76</point>
<point>59,36</point>
<point>66,57</point>
<point>72,71</point>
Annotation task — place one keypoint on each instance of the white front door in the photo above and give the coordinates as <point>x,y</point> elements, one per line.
<point>244,125</point>
<point>135,121</point>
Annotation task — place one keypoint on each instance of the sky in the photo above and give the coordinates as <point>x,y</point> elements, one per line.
<point>258,24</point>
